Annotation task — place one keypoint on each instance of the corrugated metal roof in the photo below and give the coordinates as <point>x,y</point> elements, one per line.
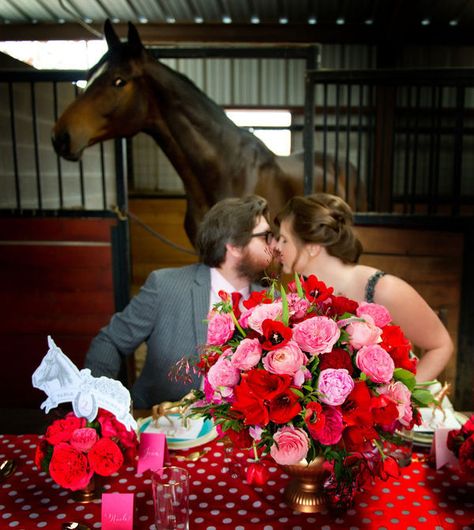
<point>437,21</point>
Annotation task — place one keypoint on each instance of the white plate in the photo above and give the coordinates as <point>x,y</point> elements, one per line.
<point>199,432</point>
<point>423,434</point>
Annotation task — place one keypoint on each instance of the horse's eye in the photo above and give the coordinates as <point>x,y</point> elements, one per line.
<point>119,82</point>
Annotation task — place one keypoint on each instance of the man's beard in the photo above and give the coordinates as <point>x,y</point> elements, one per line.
<point>252,268</point>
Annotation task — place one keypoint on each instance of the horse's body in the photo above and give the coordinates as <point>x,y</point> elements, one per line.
<point>129,91</point>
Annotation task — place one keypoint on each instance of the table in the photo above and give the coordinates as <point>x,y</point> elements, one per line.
<point>421,498</point>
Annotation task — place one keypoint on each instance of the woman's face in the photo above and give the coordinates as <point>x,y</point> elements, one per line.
<point>293,254</point>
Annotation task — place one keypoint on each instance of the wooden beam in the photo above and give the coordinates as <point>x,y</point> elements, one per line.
<point>249,33</point>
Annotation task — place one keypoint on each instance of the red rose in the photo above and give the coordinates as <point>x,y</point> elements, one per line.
<point>61,430</point>
<point>276,334</point>
<point>105,457</point>
<point>249,405</point>
<point>468,428</point>
<point>337,358</point>
<point>384,411</point>
<point>266,385</point>
<point>69,468</point>
<point>359,438</point>
<point>356,410</point>
<point>466,455</point>
<point>341,305</point>
<point>454,441</point>
<point>257,474</point>
<point>399,348</point>
<point>314,418</point>
<point>284,407</point>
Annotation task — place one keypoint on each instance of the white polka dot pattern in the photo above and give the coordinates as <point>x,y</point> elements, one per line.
<point>221,498</point>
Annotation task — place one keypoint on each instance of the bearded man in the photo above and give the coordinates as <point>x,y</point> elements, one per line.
<point>169,313</point>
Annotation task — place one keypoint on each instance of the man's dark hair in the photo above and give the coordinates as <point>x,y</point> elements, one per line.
<point>232,221</point>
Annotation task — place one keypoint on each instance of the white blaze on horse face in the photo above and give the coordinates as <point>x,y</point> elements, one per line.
<point>96,74</point>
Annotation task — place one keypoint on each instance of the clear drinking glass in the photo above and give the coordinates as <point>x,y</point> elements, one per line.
<point>171,498</point>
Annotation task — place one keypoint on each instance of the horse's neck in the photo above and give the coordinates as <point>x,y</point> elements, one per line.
<point>213,156</point>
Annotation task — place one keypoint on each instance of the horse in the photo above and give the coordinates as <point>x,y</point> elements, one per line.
<point>129,91</point>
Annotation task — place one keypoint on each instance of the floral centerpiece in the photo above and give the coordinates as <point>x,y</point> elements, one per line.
<point>461,443</point>
<point>305,374</point>
<point>73,449</point>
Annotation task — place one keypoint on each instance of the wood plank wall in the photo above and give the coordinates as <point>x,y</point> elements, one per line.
<point>429,260</point>
<point>55,279</point>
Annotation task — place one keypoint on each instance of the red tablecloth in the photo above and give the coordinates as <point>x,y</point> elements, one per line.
<point>421,498</point>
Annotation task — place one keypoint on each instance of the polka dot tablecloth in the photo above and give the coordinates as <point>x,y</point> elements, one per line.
<point>421,498</point>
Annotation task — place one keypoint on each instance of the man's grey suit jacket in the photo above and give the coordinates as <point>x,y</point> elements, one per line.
<point>169,315</point>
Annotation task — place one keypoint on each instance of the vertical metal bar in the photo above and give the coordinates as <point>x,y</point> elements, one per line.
<point>431,152</point>
<point>121,235</point>
<point>11,99</point>
<point>336,138</point>
<point>407,151</point>
<point>414,160</point>
<point>325,137</point>
<point>81,167</point>
<point>439,124</point>
<point>102,175</point>
<point>370,149</point>
<point>359,143</point>
<point>458,145</point>
<point>309,118</point>
<point>308,134</point>
<point>58,159</point>
<point>36,147</point>
<point>348,140</point>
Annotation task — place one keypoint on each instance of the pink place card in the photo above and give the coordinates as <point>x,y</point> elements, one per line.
<point>117,511</point>
<point>153,451</point>
<point>440,449</point>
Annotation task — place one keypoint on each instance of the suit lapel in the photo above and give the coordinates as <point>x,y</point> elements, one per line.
<point>201,290</point>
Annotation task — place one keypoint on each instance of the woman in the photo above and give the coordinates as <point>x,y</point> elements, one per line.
<point>316,237</point>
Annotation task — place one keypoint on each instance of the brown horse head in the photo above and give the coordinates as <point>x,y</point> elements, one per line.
<point>109,106</point>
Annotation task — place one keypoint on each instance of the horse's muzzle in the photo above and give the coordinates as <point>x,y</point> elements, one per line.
<point>62,145</point>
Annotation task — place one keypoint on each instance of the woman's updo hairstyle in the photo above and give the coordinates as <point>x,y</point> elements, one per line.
<point>326,220</point>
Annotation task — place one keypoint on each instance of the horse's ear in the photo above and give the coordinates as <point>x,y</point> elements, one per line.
<point>110,36</point>
<point>134,40</point>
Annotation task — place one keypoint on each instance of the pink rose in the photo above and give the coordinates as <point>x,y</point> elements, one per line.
<point>297,306</point>
<point>363,333</point>
<point>331,433</point>
<point>83,439</point>
<point>286,360</point>
<point>244,317</point>
<point>223,375</point>
<point>379,313</point>
<point>291,445</point>
<point>401,395</point>
<point>260,313</point>
<point>316,335</point>
<point>335,384</point>
<point>220,328</point>
<point>247,354</point>
<point>376,363</point>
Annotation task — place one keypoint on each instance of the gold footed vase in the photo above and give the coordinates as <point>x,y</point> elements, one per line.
<point>305,491</point>
<point>90,493</point>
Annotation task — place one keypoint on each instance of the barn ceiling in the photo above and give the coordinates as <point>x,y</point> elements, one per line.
<point>447,22</point>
